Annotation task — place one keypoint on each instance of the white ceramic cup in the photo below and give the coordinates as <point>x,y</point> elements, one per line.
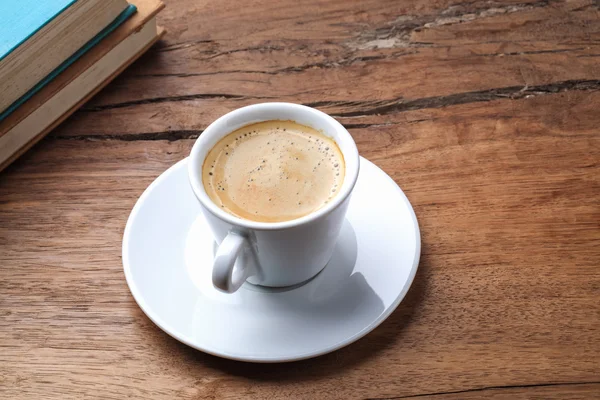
<point>274,254</point>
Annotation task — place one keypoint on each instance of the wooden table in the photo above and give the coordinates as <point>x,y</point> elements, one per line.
<point>486,113</point>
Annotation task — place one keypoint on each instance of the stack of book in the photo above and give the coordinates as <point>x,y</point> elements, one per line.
<point>56,54</point>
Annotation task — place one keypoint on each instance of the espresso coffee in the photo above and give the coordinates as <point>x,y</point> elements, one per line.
<point>273,171</point>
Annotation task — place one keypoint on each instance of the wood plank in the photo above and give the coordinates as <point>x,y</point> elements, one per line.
<point>386,49</point>
<point>506,193</point>
<point>553,391</point>
<point>457,53</point>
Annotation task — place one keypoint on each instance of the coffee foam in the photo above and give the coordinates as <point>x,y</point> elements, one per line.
<point>273,171</point>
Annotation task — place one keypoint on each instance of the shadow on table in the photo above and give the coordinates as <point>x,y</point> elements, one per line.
<point>351,356</point>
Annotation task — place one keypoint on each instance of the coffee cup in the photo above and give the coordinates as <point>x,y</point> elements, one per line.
<point>282,253</point>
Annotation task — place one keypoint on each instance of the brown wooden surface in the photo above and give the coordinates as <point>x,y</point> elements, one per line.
<point>486,114</point>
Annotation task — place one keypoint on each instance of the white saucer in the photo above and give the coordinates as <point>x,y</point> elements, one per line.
<point>168,253</point>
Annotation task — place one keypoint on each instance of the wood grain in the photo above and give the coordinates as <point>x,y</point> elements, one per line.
<point>494,139</point>
<point>500,49</point>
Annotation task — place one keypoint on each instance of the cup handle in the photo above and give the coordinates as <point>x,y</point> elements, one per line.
<point>230,270</point>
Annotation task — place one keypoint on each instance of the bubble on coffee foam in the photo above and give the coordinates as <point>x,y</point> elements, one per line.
<point>280,155</point>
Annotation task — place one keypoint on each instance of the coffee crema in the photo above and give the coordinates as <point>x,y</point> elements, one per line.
<point>273,171</point>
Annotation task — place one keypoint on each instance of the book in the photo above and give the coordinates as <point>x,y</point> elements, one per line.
<point>79,82</point>
<point>38,39</point>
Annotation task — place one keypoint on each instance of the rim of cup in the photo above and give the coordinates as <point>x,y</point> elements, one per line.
<point>272,112</point>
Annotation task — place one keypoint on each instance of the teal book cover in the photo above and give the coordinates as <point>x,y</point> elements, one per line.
<point>21,19</point>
